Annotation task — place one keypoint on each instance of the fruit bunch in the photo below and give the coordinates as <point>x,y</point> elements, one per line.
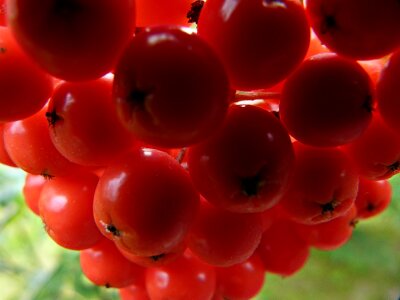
<point>187,148</point>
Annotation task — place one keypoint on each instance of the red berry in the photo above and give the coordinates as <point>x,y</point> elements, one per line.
<point>105,266</point>
<point>260,42</point>
<point>182,279</point>
<point>373,197</point>
<point>246,166</point>
<point>323,187</point>
<point>66,208</point>
<point>170,88</point>
<point>145,202</point>
<point>356,28</point>
<point>24,88</point>
<point>327,101</point>
<point>74,39</point>
<point>84,125</point>
<point>32,188</point>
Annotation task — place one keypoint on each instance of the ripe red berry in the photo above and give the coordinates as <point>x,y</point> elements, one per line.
<point>356,28</point>
<point>323,187</point>
<point>241,281</point>
<point>24,87</point>
<point>66,209</point>
<point>185,278</point>
<point>260,42</point>
<point>84,125</point>
<point>388,93</point>
<point>75,39</point>
<point>376,154</point>
<point>373,197</point>
<point>210,240</point>
<point>134,292</point>
<point>156,12</point>
<point>145,202</point>
<point>31,191</point>
<point>105,266</point>
<point>327,101</point>
<point>170,89</point>
<point>244,167</point>
<point>29,145</point>
<point>4,156</point>
<point>282,250</point>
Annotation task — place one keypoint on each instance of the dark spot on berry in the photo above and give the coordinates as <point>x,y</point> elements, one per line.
<point>328,207</point>
<point>52,117</point>
<point>394,167</point>
<point>157,257</point>
<point>107,285</point>
<point>46,175</point>
<point>194,12</point>
<point>113,230</point>
<point>370,207</point>
<point>251,185</point>
<point>328,24</point>
<point>181,155</point>
<point>353,223</point>
<point>368,104</point>
<point>137,97</point>
<point>3,50</point>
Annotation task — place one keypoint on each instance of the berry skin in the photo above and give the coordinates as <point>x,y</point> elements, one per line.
<point>105,266</point>
<point>185,278</point>
<point>246,166</point>
<point>210,240</point>
<point>327,101</point>
<point>29,145</point>
<point>156,12</point>
<point>24,88</point>
<point>282,250</point>
<point>259,41</point>
<point>84,125</point>
<point>358,29</point>
<point>323,187</point>
<point>145,202</point>
<point>32,188</point>
<point>388,93</point>
<point>170,89</point>
<point>66,209</point>
<point>134,292</point>
<point>376,154</point>
<point>373,197</point>
<point>74,40</point>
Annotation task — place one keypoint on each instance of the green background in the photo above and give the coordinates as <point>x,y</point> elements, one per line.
<point>33,267</point>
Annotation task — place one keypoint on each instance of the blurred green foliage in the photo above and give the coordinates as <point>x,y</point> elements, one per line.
<point>33,267</point>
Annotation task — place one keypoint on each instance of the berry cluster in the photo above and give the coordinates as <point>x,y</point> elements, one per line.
<point>185,162</point>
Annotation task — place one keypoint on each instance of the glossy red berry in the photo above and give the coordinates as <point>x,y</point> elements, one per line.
<point>105,266</point>
<point>24,87</point>
<point>373,197</point>
<point>156,12</point>
<point>388,93</point>
<point>376,154</point>
<point>186,278</point>
<point>241,281</point>
<point>210,240</point>
<point>145,202</point>
<point>84,125</point>
<point>323,187</point>
<point>66,209</point>
<point>246,166</point>
<point>282,250</point>
<point>29,145</point>
<point>358,29</point>
<point>134,292</point>
<point>73,39</point>
<point>259,41</point>
<point>5,158</point>
<point>31,191</point>
<point>170,89</point>
<point>327,101</point>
